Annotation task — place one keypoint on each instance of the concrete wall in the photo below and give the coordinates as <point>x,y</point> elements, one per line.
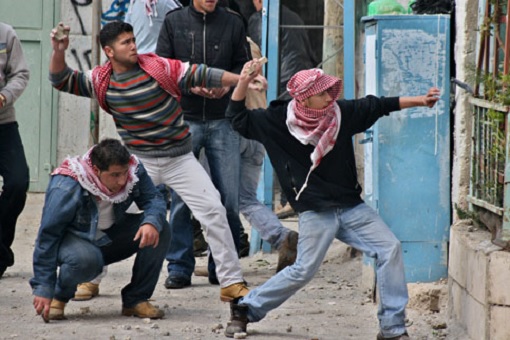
<point>74,112</point>
<point>479,272</point>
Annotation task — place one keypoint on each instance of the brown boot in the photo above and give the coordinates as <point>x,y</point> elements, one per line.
<point>86,291</point>
<point>238,319</point>
<point>288,251</point>
<point>56,310</point>
<point>144,310</point>
<point>234,291</point>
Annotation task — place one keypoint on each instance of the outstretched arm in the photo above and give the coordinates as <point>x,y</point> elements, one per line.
<point>429,99</point>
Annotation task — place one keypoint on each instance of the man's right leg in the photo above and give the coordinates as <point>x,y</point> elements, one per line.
<point>79,261</point>
<point>316,232</point>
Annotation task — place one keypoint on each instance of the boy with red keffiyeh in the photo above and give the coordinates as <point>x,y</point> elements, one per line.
<point>309,143</point>
<point>84,226</point>
<point>142,92</point>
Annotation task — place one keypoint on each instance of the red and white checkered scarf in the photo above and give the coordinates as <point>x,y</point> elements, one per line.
<point>318,127</point>
<point>81,170</point>
<point>167,72</point>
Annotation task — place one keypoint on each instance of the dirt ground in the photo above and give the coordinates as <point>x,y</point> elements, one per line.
<point>332,307</point>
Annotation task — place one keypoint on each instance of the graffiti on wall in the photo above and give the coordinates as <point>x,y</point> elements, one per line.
<point>81,9</point>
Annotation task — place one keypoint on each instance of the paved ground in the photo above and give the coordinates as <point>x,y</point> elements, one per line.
<point>332,307</point>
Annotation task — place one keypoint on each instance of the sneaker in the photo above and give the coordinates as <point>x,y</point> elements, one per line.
<point>56,310</point>
<point>177,282</point>
<point>143,310</point>
<point>238,319</point>
<point>285,211</point>
<point>234,291</point>
<point>86,291</point>
<point>404,336</point>
<point>288,251</point>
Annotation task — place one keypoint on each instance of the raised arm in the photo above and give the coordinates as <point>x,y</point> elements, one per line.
<point>58,60</point>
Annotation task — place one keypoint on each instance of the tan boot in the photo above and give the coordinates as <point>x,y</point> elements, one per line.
<point>86,291</point>
<point>144,310</point>
<point>288,251</point>
<point>233,291</point>
<point>56,310</point>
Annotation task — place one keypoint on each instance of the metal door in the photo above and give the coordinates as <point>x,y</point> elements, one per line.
<point>407,167</point>
<point>33,20</point>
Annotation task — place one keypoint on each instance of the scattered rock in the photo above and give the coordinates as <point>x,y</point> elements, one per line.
<point>240,335</point>
<point>154,326</point>
<point>289,329</point>
<point>147,320</point>
<point>126,327</point>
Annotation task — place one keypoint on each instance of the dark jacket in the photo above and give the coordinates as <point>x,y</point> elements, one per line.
<point>183,36</point>
<point>334,182</point>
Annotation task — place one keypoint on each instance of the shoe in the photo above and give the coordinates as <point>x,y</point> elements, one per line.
<point>176,282</point>
<point>285,211</point>
<point>3,268</point>
<point>143,310</point>
<point>234,291</point>
<point>404,336</point>
<point>200,245</point>
<point>288,251</point>
<point>56,310</point>
<point>238,319</point>
<point>201,271</point>
<point>244,245</point>
<point>86,291</point>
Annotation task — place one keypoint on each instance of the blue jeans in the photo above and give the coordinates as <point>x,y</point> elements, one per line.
<point>360,227</point>
<point>257,214</point>
<point>81,261</point>
<point>221,145</point>
<point>14,170</point>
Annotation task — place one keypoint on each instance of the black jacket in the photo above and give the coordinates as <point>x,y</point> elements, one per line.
<point>334,183</point>
<point>183,35</point>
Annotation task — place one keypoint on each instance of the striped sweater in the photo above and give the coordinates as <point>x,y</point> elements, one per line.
<point>148,119</point>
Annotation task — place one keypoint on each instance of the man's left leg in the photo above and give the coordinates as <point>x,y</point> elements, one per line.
<point>362,228</point>
<point>146,268</point>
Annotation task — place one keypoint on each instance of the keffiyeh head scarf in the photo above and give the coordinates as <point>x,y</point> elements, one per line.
<point>318,127</point>
<point>81,170</point>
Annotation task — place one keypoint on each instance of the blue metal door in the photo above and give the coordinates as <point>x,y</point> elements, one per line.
<point>407,164</point>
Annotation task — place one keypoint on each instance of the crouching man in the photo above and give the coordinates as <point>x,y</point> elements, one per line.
<point>85,226</point>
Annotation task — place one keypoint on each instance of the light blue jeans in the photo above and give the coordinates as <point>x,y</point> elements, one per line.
<point>257,214</point>
<point>360,227</point>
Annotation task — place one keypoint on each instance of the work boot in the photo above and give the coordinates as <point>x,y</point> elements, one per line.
<point>285,211</point>
<point>56,310</point>
<point>238,319</point>
<point>404,336</point>
<point>234,291</point>
<point>144,310</point>
<point>86,291</point>
<point>288,251</point>
<point>244,245</point>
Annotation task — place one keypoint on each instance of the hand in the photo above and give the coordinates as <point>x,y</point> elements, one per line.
<point>62,44</point>
<point>250,71</point>
<point>148,236</point>
<point>42,306</point>
<point>219,92</point>
<point>202,91</point>
<point>431,97</point>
